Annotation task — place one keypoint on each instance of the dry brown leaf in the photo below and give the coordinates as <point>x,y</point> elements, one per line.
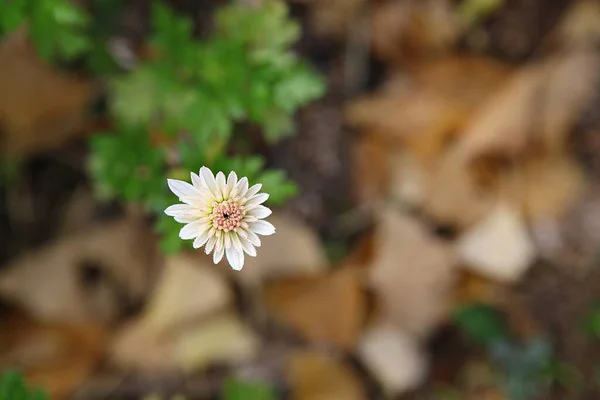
<point>58,358</point>
<point>294,250</point>
<point>316,376</point>
<point>499,246</point>
<point>519,132</point>
<point>422,118</point>
<point>328,308</point>
<point>544,188</point>
<point>188,290</point>
<point>92,276</point>
<point>371,167</point>
<point>136,347</point>
<point>39,107</point>
<point>536,108</point>
<point>222,339</point>
<point>412,273</point>
<point>425,111</point>
<point>405,32</point>
<point>394,357</point>
<point>580,26</point>
<point>475,288</point>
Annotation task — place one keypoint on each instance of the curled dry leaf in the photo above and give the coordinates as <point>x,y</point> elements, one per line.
<point>499,246</point>
<point>411,125</point>
<point>316,376</point>
<point>136,347</point>
<point>424,112</point>
<point>40,107</point>
<point>411,273</point>
<point>58,358</point>
<point>411,32</point>
<point>523,126</point>
<point>328,308</point>
<point>394,357</point>
<point>188,290</point>
<point>92,276</point>
<point>220,339</point>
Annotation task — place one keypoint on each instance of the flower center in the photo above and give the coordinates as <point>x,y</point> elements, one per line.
<point>227,215</point>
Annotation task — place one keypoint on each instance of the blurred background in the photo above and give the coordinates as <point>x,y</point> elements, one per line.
<point>433,167</point>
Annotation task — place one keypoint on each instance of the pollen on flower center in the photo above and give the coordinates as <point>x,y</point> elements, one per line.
<point>227,215</point>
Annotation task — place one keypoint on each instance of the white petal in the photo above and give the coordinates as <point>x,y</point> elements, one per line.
<point>231,181</point>
<point>235,241</point>
<point>260,212</point>
<point>252,238</point>
<point>235,258</point>
<point>221,185</point>
<point>177,210</point>
<point>185,219</point>
<point>249,219</point>
<point>263,228</point>
<point>202,239</point>
<point>192,230</point>
<point>196,181</point>
<point>182,189</point>
<point>248,248</point>
<point>209,180</point>
<point>256,200</point>
<point>240,188</point>
<point>227,240</point>
<point>218,255</point>
<point>210,245</point>
<point>253,190</point>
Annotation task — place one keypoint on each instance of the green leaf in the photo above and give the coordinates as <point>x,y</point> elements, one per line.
<point>126,165</point>
<point>134,97</point>
<point>234,389</point>
<point>482,324</point>
<point>13,387</point>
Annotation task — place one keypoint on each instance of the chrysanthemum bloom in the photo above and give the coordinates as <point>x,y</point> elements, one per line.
<point>223,215</point>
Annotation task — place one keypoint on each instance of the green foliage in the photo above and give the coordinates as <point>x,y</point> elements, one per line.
<point>592,322</point>
<point>526,369</point>
<point>57,28</point>
<point>14,387</point>
<point>234,389</point>
<point>482,324</point>
<point>178,110</point>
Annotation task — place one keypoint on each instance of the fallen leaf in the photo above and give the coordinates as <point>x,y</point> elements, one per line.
<point>222,339</point>
<point>499,246</point>
<point>138,348</point>
<point>394,357</point>
<point>188,290</point>
<point>40,107</point>
<point>58,358</point>
<point>411,273</point>
<point>371,167</point>
<point>294,249</point>
<point>328,308</point>
<point>315,376</point>
<point>425,110</point>
<point>411,32</point>
<point>536,108</point>
<point>92,276</point>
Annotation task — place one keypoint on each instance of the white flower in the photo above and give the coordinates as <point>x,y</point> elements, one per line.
<point>225,216</point>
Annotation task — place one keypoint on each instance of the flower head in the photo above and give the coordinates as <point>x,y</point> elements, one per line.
<point>224,215</point>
